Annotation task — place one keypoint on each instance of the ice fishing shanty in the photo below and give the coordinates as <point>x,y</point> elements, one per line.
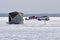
<point>15,18</point>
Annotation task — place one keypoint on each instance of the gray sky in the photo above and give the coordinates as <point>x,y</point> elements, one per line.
<point>30,6</point>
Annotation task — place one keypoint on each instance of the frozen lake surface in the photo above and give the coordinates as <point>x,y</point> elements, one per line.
<point>30,30</point>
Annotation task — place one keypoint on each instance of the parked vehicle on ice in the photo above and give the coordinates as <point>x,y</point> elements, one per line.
<point>33,17</point>
<point>43,18</point>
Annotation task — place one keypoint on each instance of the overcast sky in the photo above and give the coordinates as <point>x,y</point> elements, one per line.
<point>30,6</point>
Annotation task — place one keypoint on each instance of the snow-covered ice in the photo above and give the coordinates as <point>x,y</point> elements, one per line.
<point>30,30</point>
<point>53,22</point>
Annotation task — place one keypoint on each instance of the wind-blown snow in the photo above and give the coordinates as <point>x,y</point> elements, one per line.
<point>30,30</point>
